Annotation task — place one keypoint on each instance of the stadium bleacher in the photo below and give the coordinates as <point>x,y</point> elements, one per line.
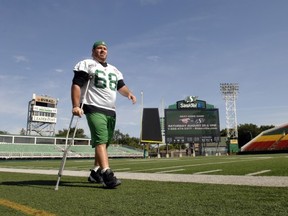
<point>29,147</point>
<point>275,139</point>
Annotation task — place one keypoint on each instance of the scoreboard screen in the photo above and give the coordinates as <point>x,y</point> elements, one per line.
<point>192,125</point>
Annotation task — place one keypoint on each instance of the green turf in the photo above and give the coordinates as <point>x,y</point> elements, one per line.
<point>228,165</point>
<point>77,197</point>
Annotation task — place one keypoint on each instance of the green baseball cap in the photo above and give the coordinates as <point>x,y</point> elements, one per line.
<point>97,43</point>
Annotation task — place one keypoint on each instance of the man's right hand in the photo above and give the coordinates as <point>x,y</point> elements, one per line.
<point>77,111</point>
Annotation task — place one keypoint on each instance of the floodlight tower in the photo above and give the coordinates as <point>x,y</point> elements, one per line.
<point>229,92</point>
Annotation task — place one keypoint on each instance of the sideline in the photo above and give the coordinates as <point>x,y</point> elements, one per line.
<point>25,209</point>
<point>263,181</point>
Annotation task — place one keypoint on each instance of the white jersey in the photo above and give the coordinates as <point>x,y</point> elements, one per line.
<point>102,90</point>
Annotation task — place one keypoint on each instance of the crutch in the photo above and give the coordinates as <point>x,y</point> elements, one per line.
<point>67,147</point>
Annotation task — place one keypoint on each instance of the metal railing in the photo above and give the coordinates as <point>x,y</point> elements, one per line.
<point>21,139</point>
<point>58,144</point>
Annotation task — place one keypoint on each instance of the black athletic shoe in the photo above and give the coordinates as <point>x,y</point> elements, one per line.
<point>110,181</point>
<point>95,177</point>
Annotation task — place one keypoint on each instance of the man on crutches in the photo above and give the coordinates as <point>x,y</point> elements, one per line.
<point>67,147</point>
<point>99,107</point>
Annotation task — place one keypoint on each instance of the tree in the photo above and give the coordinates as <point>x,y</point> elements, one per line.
<point>223,133</point>
<point>22,132</point>
<point>247,132</point>
<point>265,127</point>
<point>125,139</point>
<point>79,133</point>
<point>4,132</point>
<point>117,136</point>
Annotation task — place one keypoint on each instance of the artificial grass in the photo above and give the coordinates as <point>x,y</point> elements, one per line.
<point>78,197</point>
<point>228,165</point>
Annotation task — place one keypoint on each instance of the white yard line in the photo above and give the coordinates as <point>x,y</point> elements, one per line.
<point>209,171</point>
<point>168,171</point>
<point>257,173</point>
<point>122,169</point>
<point>194,165</point>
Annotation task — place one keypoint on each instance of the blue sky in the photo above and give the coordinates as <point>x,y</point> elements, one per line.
<point>169,49</point>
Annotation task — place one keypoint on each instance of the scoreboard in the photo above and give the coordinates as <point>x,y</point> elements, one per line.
<point>192,125</point>
<point>43,109</point>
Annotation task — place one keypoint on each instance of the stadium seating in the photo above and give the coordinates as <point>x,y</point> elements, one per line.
<point>282,144</point>
<point>36,148</point>
<point>275,139</point>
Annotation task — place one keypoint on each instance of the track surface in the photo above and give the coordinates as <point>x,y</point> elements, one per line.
<point>266,181</point>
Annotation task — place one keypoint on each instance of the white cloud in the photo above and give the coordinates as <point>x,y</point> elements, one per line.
<point>12,78</point>
<point>59,70</point>
<point>153,58</point>
<point>20,58</point>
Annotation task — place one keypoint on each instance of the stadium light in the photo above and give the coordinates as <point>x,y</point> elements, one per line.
<point>229,92</point>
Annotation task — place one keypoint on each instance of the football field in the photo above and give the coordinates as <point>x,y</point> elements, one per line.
<point>223,185</point>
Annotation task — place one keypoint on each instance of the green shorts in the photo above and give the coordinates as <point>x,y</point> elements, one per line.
<point>101,128</point>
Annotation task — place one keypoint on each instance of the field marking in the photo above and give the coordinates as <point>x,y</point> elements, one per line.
<point>194,165</point>
<point>262,157</point>
<point>25,209</point>
<point>121,169</point>
<point>167,171</point>
<point>209,171</point>
<point>257,173</point>
<point>146,161</point>
<point>81,161</point>
<point>267,181</point>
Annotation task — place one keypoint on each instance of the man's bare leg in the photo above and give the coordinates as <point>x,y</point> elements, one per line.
<point>101,156</point>
<point>101,164</point>
<point>110,181</point>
